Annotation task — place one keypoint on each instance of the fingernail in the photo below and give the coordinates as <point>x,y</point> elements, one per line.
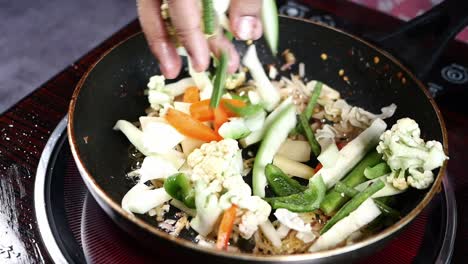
<point>246,27</point>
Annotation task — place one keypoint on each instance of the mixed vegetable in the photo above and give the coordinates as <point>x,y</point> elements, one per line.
<point>321,170</point>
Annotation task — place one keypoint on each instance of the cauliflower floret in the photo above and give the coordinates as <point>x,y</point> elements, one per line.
<point>216,168</point>
<point>208,209</point>
<point>156,82</point>
<point>254,209</point>
<point>215,160</point>
<point>248,225</point>
<point>158,96</point>
<point>397,179</point>
<point>158,99</point>
<point>236,186</point>
<point>256,212</point>
<point>435,158</point>
<point>410,158</point>
<point>420,180</point>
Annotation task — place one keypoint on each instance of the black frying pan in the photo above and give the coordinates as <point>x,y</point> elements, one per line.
<point>113,89</point>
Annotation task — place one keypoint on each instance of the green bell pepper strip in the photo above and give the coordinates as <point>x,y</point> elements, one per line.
<point>280,183</point>
<point>243,98</point>
<point>314,145</point>
<point>353,204</point>
<point>306,201</point>
<point>244,111</point>
<point>377,170</point>
<point>219,80</point>
<point>178,186</point>
<point>334,200</point>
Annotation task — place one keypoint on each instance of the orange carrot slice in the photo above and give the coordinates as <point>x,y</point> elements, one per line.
<point>220,117</point>
<point>190,127</point>
<point>225,227</point>
<point>201,110</point>
<point>233,102</point>
<point>192,95</point>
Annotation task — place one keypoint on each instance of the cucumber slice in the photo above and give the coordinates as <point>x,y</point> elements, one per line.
<point>270,24</point>
<point>388,190</point>
<point>329,156</point>
<point>270,95</point>
<point>353,152</point>
<point>257,135</point>
<point>256,121</point>
<point>274,137</point>
<point>234,129</point>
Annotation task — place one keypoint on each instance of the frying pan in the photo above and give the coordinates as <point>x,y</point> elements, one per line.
<point>112,89</point>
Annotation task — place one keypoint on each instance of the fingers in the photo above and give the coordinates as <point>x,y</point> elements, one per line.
<point>218,43</point>
<point>149,12</point>
<point>186,17</point>
<point>245,19</point>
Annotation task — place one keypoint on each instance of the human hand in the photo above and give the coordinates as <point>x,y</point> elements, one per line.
<point>245,23</point>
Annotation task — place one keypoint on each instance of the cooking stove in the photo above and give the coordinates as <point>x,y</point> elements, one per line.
<point>74,229</point>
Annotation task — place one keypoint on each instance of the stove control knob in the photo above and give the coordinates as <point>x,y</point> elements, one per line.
<point>455,73</point>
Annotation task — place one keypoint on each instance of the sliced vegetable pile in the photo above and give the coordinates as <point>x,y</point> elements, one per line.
<point>324,170</point>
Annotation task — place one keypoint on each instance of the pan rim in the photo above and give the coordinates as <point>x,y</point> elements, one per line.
<point>97,190</point>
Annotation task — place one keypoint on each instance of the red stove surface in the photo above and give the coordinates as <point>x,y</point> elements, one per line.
<point>25,127</point>
<point>102,241</point>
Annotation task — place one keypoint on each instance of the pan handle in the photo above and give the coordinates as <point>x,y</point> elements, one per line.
<point>421,41</point>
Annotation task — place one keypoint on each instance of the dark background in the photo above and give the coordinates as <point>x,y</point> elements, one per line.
<point>38,38</point>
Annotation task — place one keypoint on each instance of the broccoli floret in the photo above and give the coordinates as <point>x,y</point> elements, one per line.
<point>408,156</point>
